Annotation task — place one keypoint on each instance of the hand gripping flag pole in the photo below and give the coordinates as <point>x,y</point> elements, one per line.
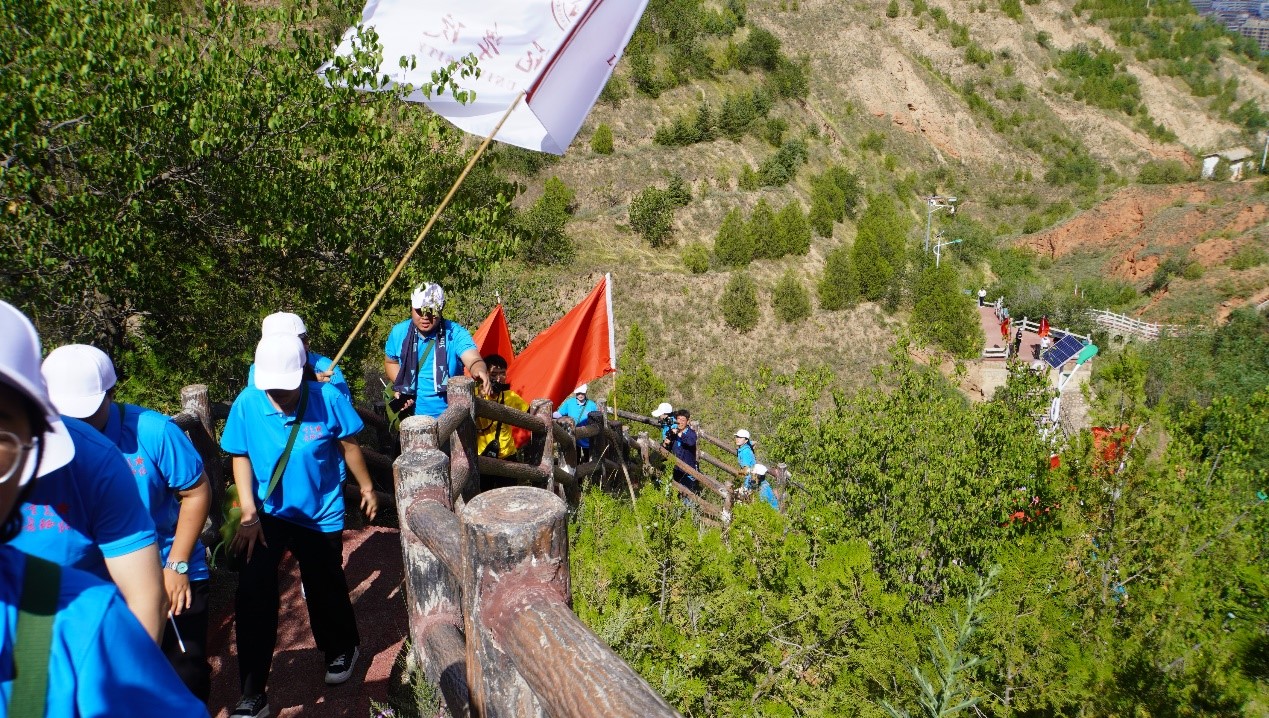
<point>423,233</point>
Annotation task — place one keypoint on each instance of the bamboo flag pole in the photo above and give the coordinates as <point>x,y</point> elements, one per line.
<point>423,233</point>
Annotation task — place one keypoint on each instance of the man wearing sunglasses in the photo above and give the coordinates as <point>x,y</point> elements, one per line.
<point>424,351</point>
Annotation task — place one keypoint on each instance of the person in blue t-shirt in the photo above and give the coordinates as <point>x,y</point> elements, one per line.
<point>302,429</point>
<point>317,367</point>
<point>578,408</point>
<point>744,454</point>
<point>100,662</point>
<point>424,351</point>
<point>169,477</point>
<point>765,491</point>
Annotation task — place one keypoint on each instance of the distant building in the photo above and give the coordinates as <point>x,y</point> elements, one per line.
<point>1240,161</point>
<point>1257,28</point>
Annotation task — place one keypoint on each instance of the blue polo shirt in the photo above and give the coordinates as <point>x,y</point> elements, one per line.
<point>319,364</point>
<point>457,341</point>
<point>579,413</point>
<point>766,493</point>
<point>310,493</point>
<point>163,462</point>
<point>101,662</point>
<point>745,456</point>
<point>86,511</point>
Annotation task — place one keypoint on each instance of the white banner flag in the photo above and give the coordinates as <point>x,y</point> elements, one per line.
<point>559,52</point>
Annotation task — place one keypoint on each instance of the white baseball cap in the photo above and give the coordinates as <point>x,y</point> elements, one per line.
<point>742,433</point>
<point>282,323</point>
<point>78,377</point>
<point>20,369</point>
<point>279,362</point>
<point>581,389</point>
<point>662,409</point>
<point>760,469</point>
<point>428,296</point>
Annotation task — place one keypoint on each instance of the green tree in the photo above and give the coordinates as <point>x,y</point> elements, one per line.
<point>733,245</point>
<point>652,216</point>
<point>678,192</point>
<point>696,257</point>
<point>159,164</point>
<point>739,302</point>
<point>874,273</point>
<point>790,299</point>
<point>601,141</point>
<point>892,9</point>
<point>760,231</point>
<point>540,229</point>
<point>793,232</point>
<point>637,387</point>
<point>761,49</point>
<point>839,286</point>
<point>945,316</point>
<point>879,254</point>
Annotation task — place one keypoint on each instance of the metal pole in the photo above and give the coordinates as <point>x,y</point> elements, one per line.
<point>1263,155</point>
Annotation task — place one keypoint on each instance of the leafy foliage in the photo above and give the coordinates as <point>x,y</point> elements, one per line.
<point>540,230</point>
<point>780,168</point>
<point>652,215</point>
<point>696,257</point>
<point>1164,172</point>
<point>739,302</point>
<point>790,299</point>
<point>793,232</point>
<point>839,286</point>
<point>945,316</point>
<point>637,387</point>
<point>601,141</point>
<point>733,245</point>
<point>761,231</point>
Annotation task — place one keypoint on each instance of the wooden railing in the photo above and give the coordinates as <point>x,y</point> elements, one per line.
<point>487,573</point>
<point>1127,326</point>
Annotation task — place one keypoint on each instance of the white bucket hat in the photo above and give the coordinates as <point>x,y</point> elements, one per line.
<point>282,323</point>
<point>279,362</point>
<point>78,377</point>
<point>760,469</point>
<point>428,296</point>
<point>663,409</point>
<point>742,434</point>
<point>20,369</point>
<point>581,389</point>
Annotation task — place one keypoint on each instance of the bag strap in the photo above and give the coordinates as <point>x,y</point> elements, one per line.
<point>41,584</point>
<point>418,375</point>
<point>280,467</point>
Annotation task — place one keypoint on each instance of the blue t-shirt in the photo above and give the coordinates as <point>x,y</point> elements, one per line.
<point>766,493</point>
<point>86,511</point>
<point>457,340</point>
<point>579,413</point>
<point>101,662</point>
<point>310,493</point>
<point>319,364</point>
<point>745,455</point>
<point>163,462</point>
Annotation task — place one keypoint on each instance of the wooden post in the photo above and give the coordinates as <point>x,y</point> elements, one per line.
<point>194,401</point>
<point>462,444</point>
<point>515,539</point>
<point>543,410</point>
<point>433,593</point>
<point>599,446</point>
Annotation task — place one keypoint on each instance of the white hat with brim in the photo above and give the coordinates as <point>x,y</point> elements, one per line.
<point>428,296</point>
<point>581,389</point>
<point>78,377</point>
<point>760,469</point>
<point>663,409</point>
<point>742,434</point>
<point>279,362</point>
<point>20,369</point>
<point>282,323</point>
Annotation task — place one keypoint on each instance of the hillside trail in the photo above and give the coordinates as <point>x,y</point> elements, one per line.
<point>372,564</point>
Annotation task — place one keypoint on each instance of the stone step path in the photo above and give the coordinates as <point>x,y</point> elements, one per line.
<point>372,563</point>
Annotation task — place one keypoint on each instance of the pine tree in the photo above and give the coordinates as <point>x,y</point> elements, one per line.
<point>601,141</point>
<point>883,231</point>
<point>732,245</point>
<point>792,229</point>
<point>821,218</point>
<point>839,286</point>
<point>945,316</point>
<point>872,269</point>
<point>637,387</point>
<point>790,299</point>
<point>739,302</point>
<point>652,216</point>
<point>761,230</point>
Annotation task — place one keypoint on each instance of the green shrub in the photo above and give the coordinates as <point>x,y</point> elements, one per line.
<point>821,217</point>
<point>790,299</point>
<point>732,245</point>
<point>975,54</point>
<point>780,168</point>
<point>1248,256</point>
<point>739,302</point>
<point>678,192</point>
<point>541,238</point>
<point>748,179</point>
<point>761,230</point>
<point>892,10</point>
<point>652,216</point>
<point>601,141</point>
<point>793,232</point>
<point>637,387</point>
<point>774,131</point>
<point>791,78</point>
<point>1164,172</point>
<point>873,142</point>
<point>839,286</point>
<point>943,315</point>
<point>1193,271</point>
<point>1012,8</point>
<point>761,49</point>
<point>696,257</point>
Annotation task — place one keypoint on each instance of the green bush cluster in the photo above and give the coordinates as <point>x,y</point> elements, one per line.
<point>541,238</point>
<point>789,299</point>
<point>766,235</point>
<point>943,315</point>
<point>838,287</point>
<point>1248,256</point>
<point>1164,172</point>
<point>601,141</point>
<point>637,386</point>
<point>782,167</point>
<point>696,257</point>
<point>740,114</point>
<point>1095,75</point>
<point>879,254</point>
<point>835,196</point>
<point>739,302</point>
<point>652,215</point>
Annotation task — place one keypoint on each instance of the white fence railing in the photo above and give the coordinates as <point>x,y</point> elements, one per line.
<point>1118,323</point>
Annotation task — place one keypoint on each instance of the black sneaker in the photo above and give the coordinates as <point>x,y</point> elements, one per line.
<point>340,668</point>
<point>256,706</point>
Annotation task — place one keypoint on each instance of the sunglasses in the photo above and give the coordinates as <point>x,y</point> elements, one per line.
<point>12,450</point>
<point>426,313</point>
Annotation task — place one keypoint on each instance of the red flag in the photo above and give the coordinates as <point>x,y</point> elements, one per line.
<point>493,337</point>
<point>576,349</point>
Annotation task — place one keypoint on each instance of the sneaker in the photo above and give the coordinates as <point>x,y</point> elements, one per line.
<point>340,668</point>
<point>256,706</point>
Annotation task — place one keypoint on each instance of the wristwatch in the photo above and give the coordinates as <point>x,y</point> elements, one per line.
<point>180,567</point>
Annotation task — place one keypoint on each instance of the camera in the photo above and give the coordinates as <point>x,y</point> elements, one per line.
<point>500,386</point>
<point>668,422</point>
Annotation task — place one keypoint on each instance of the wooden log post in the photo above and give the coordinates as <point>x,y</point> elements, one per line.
<point>515,541</point>
<point>599,445</point>
<point>195,401</point>
<point>462,443</point>
<point>543,409</point>
<point>433,592</point>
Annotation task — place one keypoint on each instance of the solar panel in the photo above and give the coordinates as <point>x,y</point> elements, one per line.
<point>1067,347</point>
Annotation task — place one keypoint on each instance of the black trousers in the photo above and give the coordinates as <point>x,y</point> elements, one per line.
<point>330,612</point>
<point>191,664</point>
